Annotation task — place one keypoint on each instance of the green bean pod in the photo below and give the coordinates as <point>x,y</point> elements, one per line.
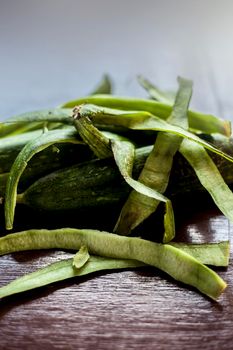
<point>144,121</point>
<point>40,143</point>
<point>123,152</point>
<point>178,264</point>
<point>63,270</point>
<point>214,254</point>
<point>156,171</point>
<point>158,109</point>
<point>11,146</point>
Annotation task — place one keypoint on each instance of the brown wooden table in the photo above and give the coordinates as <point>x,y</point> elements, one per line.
<point>131,309</point>
<point>55,50</point>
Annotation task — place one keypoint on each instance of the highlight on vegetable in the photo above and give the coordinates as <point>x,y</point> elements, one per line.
<point>103,150</point>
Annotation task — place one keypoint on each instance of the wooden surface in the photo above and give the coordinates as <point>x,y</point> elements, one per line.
<point>51,52</point>
<point>131,309</point>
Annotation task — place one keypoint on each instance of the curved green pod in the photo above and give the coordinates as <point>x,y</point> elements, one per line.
<point>63,270</point>
<point>158,109</point>
<point>157,168</point>
<point>213,254</point>
<point>178,264</point>
<point>35,146</point>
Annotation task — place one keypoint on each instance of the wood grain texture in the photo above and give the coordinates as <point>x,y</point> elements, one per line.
<point>51,52</point>
<point>130,309</point>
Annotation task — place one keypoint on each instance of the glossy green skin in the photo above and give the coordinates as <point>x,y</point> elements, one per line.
<point>90,184</point>
<point>98,183</point>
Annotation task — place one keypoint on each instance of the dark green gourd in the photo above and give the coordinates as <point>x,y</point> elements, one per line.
<point>98,183</point>
<point>54,157</point>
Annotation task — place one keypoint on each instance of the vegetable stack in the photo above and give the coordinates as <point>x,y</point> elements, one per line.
<point>104,150</point>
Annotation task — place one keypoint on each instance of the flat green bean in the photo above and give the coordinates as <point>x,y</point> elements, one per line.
<point>209,176</point>
<point>203,165</point>
<point>178,264</point>
<point>155,108</point>
<point>156,170</point>
<point>40,143</point>
<point>63,270</point>
<point>142,121</point>
<point>54,115</point>
<point>124,157</point>
<point>14,128</point>
<point>123,152</point>
<point>11,146</point>
<point>213,254</point>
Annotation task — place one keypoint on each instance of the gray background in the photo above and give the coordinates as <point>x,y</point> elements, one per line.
<point>54,50</point>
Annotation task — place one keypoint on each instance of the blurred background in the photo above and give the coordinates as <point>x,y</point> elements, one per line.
<point>55,50</point>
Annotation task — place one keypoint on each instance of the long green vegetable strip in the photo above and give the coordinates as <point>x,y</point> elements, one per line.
<point>15,128</point>
<point>154,92</point>
<point>155,108</point>
<point>81,257</point>
<point>142,121</point>
<point>30,121</point>
<point>55,115</point>
<point>124,157</point>
<point>63,270</point>
<point>109,117</point>
<point>212,254</point>
<point>123,152</point>
<point>54,158</point>
<point>204,167</point>
<point>178,264</point>
<point>10,147</point>
<point>209,176</point>
<point>12,142</point>
<point>167,97</point>
<point>40,143</point>
<point>104,146</point>
<point>156,171</point>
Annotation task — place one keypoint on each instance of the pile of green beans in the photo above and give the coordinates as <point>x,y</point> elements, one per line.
<point>104,149</point>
